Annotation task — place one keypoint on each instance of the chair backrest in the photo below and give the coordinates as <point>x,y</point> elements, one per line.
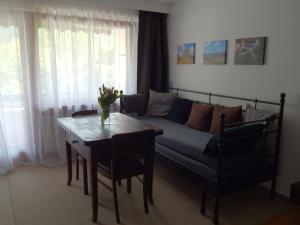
<point>84,113</point>
<point>131,146</point>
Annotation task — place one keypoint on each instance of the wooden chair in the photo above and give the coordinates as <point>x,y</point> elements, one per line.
<point>79,158</point>
<point>131,155</point>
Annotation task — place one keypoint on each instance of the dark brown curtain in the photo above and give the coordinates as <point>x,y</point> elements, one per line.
<point>153,59</point>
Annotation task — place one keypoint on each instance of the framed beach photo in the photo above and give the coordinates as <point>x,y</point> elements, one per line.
<point>215,52</point>
<point>250,51</point>
<point>186,53</point>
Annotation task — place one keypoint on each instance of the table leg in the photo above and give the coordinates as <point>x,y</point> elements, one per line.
<point>94,188</point>
<point>85,177</point>
<point>150,187</point>
<point>69,162</point>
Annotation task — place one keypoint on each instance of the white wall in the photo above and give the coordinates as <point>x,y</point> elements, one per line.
<point>147,5</point>
<point>203,20</point>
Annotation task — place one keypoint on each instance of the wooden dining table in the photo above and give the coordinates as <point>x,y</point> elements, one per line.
<point>91,140</point>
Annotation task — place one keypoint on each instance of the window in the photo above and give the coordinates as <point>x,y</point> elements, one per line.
<point>76,57</point>
<point>49,62</point>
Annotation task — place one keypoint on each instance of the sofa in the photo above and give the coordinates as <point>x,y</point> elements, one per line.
<point>236,154</point>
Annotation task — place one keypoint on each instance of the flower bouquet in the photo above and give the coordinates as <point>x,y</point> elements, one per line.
<point>107,98</point>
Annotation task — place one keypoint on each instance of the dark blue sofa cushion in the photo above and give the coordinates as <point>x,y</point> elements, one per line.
<point>180,110</point>
<point>249,136</point>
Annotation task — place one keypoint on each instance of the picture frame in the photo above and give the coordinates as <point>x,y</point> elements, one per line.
<point>250,51</point>
<point>186,53</point>
<point>215,52</point>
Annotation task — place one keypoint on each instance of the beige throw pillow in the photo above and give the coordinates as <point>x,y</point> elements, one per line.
<point>159,103</point>
<point>253,114</point>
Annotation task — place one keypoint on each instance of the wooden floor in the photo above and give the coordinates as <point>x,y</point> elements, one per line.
<point>290,218</point>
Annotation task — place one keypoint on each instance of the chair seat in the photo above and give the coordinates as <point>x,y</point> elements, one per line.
<point>125,169</point>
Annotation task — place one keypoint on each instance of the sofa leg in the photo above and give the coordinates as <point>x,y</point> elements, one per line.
<point>216,200</point>
<point>203,206</point>
<point>273,188</point>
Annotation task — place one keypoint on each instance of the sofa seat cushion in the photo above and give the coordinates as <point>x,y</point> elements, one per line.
<point>178,137</point>
<point>231,172</point>
<point>198,167</point>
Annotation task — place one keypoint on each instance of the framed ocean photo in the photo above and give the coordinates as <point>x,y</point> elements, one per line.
<point>250,51</point>
<point>186,53</point>
<point>215,52</point>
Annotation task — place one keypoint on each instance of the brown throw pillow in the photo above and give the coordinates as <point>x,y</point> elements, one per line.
<point>200,117</point>
<point>232,115</point>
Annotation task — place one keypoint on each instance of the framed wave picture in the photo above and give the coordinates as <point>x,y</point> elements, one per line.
<point>250,51</point>
<point>186,53</point>
<point>215,52</point>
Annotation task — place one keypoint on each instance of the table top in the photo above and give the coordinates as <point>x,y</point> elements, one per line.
<point>90,130</point>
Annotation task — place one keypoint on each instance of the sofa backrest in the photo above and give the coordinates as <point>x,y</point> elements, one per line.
<point>134,104</point>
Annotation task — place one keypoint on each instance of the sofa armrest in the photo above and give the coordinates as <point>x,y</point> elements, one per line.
<point>136,103</point>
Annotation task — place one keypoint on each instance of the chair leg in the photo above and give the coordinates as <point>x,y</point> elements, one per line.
<point>273,188</point>
<point>116,200</point>
<point>150,185</point>
<point>85,177</point>
<point>216,209</point>
<point>119,182</point>
<point>203,207</point>
<point>77,166</point>
<point>128,185</point>
<point>145,192</point>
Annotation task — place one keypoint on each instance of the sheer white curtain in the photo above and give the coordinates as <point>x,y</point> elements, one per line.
<point>52,63</point>
<point>5,160</point>
<point>15,101</point>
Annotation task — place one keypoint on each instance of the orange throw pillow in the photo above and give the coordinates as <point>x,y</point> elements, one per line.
<point>200,117</point>
<point>232,115</point>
